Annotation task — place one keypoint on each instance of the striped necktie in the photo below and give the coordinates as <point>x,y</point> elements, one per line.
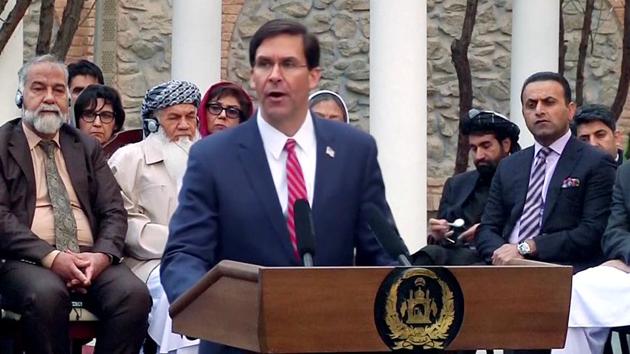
<point>296,188</point>
<point>63,218</point>
<point>531,218</point>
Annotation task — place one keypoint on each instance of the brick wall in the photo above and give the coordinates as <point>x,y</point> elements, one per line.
<point>83,42</point>
<point>231,10</point>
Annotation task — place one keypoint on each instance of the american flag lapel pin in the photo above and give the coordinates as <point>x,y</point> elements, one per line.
<point>330,152</point>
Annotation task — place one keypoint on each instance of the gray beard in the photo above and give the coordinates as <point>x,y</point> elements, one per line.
<point>175,155</point>
<point>47,123</point>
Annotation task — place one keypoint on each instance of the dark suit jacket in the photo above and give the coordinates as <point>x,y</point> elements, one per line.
<point>616,240</point>
<point>92,180</point>
<point>229,209</point>
<point>574,218</point>
<point>456,190</point>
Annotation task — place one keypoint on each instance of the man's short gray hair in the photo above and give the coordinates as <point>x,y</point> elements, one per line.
<point>46,58</point>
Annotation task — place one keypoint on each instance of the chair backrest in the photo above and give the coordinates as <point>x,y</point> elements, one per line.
<point>121,139</point>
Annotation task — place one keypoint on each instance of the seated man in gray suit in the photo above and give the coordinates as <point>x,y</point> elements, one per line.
<point>492,137</point>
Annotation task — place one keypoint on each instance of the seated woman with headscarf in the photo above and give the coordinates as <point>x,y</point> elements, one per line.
<point>224,105</point>
<point>98,112</point>
<point>329,105</point>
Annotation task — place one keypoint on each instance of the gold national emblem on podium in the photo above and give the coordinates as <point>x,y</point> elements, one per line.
<point>419,308</point>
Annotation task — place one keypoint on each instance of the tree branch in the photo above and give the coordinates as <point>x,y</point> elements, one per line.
<point>46,17</point>
<point>562,50</point>
<point>624,77</point>
<point>459,55</point>
<point>586,33</point>
<point>3,4</point>
<point>15,16</point>
<point>67,29</point>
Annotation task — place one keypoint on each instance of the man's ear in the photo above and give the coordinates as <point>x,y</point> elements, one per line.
<point>252,83</point>
<point>506,144</point>
<point>313,77</point>
<point>618,139</point>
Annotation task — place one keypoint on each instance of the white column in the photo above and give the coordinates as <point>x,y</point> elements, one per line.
<point>398,110</point>
<point>196,46</point>
<point>10,62</point>
<point>535,26</point>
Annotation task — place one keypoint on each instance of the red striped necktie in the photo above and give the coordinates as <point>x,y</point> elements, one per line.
<point>296,188</point>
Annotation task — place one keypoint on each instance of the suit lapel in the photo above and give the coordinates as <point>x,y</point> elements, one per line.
<point>564,167</point>
<point>467,189</point>
<point>19,150</point>
<point>251,153</point>
<point>325,164</point>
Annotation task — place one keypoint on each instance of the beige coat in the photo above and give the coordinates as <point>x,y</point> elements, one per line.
<point>150,196</point>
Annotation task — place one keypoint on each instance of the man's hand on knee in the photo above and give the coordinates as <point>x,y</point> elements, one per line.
<point>98,262</point>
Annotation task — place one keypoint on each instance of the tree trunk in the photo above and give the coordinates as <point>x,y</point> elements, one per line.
<point>624,78</point>
<point>562,50</point>
<point>9,25</point>
<point>586,33</point>
<point>67,29</point>
<point>3,4</point>
<point>459,55</point>
<point>46,17</point>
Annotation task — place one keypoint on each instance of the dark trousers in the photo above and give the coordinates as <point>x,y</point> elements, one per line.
<point>117,297</point>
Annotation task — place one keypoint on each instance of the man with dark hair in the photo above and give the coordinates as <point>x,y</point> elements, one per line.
<point>548,202</point>
<point>492,137</point>
<point>63,224</point>
<point>82,74</point>
<point>595,124</point>
<point>239,191</point>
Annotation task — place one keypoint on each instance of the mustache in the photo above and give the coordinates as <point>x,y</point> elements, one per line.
<point>48,108</point>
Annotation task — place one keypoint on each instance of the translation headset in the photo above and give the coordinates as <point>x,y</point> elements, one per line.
<point>150,125</point>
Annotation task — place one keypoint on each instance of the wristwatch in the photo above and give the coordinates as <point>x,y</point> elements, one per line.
<point>523,249</point>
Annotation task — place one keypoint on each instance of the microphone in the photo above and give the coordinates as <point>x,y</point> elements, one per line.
<point>387,235</point>
<point>304,231</point>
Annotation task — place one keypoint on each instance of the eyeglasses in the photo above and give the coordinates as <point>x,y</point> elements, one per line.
<point>488,116</point>
<point>287,66</point>
<point>216,108</point>
<point>105,117</point>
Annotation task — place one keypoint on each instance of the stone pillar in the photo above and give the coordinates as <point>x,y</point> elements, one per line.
<point>534,48</point>
<point>10,62</point>
<point>196,47</point>
<point>398,109</point>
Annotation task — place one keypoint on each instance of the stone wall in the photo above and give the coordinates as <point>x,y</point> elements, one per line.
<point>144,51</point>
<point>342,27</point>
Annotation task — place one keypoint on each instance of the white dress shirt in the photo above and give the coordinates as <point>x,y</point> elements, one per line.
<point>557,147</point>
<point>305,149</point>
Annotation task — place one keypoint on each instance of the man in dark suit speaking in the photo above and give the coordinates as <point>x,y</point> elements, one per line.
<point>62,224</point>
<point>548,202</point>
<point>240,186</point>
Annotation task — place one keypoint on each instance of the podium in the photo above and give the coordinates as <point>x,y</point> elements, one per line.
<point>331,309</point>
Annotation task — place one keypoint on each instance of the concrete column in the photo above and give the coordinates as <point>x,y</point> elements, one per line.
<point>196,46</point>
<point>535,26</point>
<point>10,62</point>
<point>398,113</point>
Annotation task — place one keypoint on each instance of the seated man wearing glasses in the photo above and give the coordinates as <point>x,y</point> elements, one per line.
<point>149,174</point>
<point>224,105</point>
<point>492,137</point>
<point>98,112</point>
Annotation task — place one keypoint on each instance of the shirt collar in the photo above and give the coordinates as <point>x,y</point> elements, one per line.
<point>33,139</point>
<point>274,140</point>
<point>557,146</point>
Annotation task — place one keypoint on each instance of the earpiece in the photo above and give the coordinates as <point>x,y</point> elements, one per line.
<point>19,99</point>
<point>150,125</point>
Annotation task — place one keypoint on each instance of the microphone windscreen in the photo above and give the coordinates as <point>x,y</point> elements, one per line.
<point>304,230</point>
<point>385,232</point>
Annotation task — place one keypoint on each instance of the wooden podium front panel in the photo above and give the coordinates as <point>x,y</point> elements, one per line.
<point>335,308</point>
<point>226,312</point>
<point>513,307</point>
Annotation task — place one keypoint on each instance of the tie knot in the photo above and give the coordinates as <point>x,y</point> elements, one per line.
<point>48,146</point>
<point>544,152</point>
<point>290,145</point>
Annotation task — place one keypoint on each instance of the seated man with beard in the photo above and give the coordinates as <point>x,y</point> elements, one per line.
<point>62,224</point>
<point>150,174</point>
<point>492,137</point>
